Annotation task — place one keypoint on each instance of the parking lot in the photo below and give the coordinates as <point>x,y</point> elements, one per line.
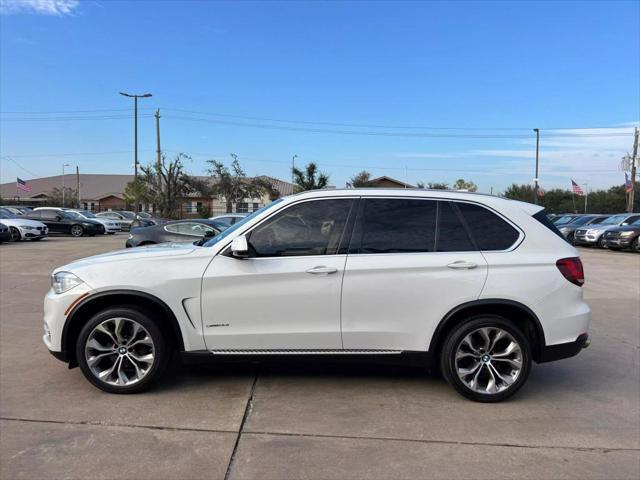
<point>577,418</point>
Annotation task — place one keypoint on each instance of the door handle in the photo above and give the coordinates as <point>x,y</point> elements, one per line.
<point>462,265</point>
<point>321,270</point>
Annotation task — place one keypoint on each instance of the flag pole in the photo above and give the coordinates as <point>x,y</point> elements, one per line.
<point>586,195</point>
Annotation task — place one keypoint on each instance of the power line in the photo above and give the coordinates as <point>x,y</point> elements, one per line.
<point>6,157</point>
<point>65,119</point>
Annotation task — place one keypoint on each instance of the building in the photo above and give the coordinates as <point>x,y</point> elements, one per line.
<point>101,192</point>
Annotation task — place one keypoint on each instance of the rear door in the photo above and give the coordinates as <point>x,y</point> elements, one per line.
<point>54,222</point>
<point>411,261</point>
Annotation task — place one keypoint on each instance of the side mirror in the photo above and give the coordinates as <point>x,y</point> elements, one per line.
<point>209,234</point>
<point>240,247</point>
<point>58,218</point>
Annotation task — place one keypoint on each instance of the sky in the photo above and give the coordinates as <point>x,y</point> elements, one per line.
<point>419,91</point>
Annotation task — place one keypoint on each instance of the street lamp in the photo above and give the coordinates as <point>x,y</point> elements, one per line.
<point>135,130</point>
<point>63,165</point>
<point>536,179</point>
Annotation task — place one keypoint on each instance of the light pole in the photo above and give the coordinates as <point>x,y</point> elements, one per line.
<point>535,180</point>
<point>293,166</point>
<point>63,165</point>
<point>135,133</point>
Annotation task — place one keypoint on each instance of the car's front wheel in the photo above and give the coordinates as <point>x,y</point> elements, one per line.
<point>121,350</point>
<point>602,243</point>
<point>635,246</point>
<point>486,359</point>
<point>77,230</point>
<point>15,235</point>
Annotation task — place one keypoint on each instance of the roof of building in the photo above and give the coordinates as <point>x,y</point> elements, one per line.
<point>387,179</point>
<point>96,186</point>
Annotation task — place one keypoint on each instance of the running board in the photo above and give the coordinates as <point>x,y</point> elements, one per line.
<point>306,352</point>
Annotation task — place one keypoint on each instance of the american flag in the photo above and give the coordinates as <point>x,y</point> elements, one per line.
<point>628,186</point>
<point>576,188</point>
<point>22,185</point>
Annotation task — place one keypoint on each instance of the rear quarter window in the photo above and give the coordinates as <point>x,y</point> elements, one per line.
<point>542,217</point>
<point>489,231</point>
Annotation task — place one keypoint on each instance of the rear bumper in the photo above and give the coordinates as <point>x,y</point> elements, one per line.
<point>551,353</point>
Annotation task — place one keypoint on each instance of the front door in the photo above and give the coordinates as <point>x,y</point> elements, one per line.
<point>286,295</point>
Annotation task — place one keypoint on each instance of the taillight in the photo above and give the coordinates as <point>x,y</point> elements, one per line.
<point>572,270</point>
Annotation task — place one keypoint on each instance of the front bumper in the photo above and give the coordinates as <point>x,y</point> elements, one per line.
<point>56,309</point>
<point>585,239</point>
<point>619,242</point>
<point>551,353</point>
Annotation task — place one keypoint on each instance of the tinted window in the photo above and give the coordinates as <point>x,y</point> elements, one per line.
<point>188,228</point>
<point>49,214</point>
<point>452,235</point>
<point>489,230</point>
<point>542,217</point>
<point>397,225</point>
<point>630,220</point>
<point>309,228</point>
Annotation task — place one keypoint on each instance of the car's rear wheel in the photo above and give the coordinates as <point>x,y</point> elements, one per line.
<point>602,243</point>
<point>635,246</point>
<point>486,359</point>
<point>15,235</point>
<point>121,350</point>
<point>77,230</point>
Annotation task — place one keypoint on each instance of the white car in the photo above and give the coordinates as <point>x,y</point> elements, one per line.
<point>22,228</point>
<point>476,285</point>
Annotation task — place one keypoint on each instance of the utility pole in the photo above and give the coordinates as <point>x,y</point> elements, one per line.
<point>535,180</point>
<point>634,165</point>
<point>293,167</point>
<point>78,184</point>
<point>135,132</point>
<point>158,151</point>
<point>586,196</point>
<point>63,165</point>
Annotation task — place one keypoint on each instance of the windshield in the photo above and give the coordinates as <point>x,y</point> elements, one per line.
<point>239,224</point>
<point>563,219</point>
<point>598,220</point>
<point>129,215</point>
<point>6,214</point>
<point>87,214</point>
<point>144,215</point>
<point>615,220</point>
<point>73,214</point>
<point>581,220</point>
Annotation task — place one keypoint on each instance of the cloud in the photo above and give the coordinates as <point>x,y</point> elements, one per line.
<point>38,7</point>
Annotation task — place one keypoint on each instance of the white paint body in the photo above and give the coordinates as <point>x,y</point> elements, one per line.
<point>375,302</point>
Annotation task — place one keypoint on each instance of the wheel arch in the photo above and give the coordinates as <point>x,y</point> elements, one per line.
<point>94,303</point>
<point>513,311</point>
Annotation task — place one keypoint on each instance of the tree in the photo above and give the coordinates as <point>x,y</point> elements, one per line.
<point>137,190</point>
<point>54,198</point>
<point>310,179</point>
<point>361,180</point>
<point>233,184</point>
<point>438,186</point>
<point>165,184</point>
<point>460,184</point>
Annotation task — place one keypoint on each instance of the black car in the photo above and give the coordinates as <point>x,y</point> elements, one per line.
<point>626,236</point>
<point>5,234</point>
<point>174,231</point>
<point>60,221</point>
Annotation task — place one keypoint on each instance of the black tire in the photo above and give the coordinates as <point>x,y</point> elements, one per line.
<point>76,230</point>
<point>15,234</point>
<point>571,238</point>
<point>635,246</point>
<point>453,342</point>
<point>602,242</point>
<point>160,350</point>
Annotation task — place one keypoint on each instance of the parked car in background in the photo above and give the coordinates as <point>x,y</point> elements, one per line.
<point>568,229</point>
<point>21,228</point>
<point>594,234</point>
<point>626,236</point>
<point>476,286</point>
<point>19,210</point>
<point>5,234</point>
<point>144,219</point>
<point>111,226</point>
<point>229,218</point>
<point>174,231</point>
<point>61,221</point>
<point>125,221</point>
<point>563,219</point>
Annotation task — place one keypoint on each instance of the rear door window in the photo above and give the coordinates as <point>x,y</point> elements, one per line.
<point>398,225</point>
<point>489,231</point>
<point>452,236</point>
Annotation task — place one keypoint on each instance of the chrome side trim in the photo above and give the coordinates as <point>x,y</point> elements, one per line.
<point>306,352</point>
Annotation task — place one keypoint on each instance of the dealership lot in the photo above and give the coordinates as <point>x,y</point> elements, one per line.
<point>578,418</point>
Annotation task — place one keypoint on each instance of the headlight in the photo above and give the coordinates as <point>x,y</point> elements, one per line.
<point>626,234</point>
<point>64,281</point>
<point>29,227</point>
<point>593,232</point>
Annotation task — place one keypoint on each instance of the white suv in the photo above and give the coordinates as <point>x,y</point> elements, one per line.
<point>475,285</point>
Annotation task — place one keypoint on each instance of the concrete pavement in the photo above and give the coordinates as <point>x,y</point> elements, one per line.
<point>578,418</point>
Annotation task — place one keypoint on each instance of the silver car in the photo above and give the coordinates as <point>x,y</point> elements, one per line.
<point>594,234</point>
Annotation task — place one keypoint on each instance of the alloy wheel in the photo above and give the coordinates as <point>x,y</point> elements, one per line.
<point>76,231</point>
<point>119,351</point>
<point>488,360</point>
<point>15,234</point>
